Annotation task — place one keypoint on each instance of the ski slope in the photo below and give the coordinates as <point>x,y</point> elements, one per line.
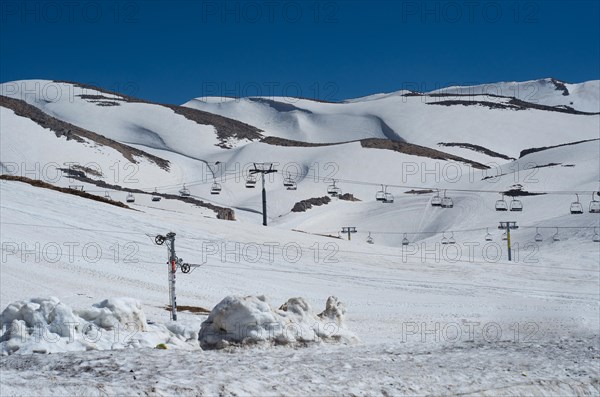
<point>405,303</point>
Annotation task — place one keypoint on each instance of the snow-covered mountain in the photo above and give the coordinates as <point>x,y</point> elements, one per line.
<point>59,137</point>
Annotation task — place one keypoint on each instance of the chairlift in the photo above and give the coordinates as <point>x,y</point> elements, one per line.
<point>444,238</point>
<point>333,190</point>
<point>488,236</point>
<point>504,236</point>
<point>501,205</point>
<point>106,195</point>
<point>184,192</point>
<point>289,183</point>
<point>594,204</point>
<point>596,237</point>
<point>451,240</point>
<point>388,197</point>
<point>215,188</point>
<point>380,195</point>
<point>556,237</point>
<point>405,240</point>
<point>538,237</point>
<point>251,181</point>
<point>516,205</point>
<point>130,198</point>
<point>576,207</point>
<point>436,201</point>
<point>447,201</point>
<point>369,239</point>
<point>155,196</point>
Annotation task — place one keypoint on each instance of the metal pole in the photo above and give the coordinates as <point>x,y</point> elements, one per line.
<point>173,264</point>
<point>264,200</point>
<point>349,235</point>
<point>508,241</point>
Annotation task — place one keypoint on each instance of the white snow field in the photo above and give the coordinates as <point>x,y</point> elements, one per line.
<point>83,287</point>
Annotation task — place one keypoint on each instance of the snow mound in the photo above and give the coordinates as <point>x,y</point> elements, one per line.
<point>252,320</point>
<point>46,325</point>
<point>110,312</point>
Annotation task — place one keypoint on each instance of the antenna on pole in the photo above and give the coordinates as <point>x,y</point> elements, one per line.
<point>263,168</point>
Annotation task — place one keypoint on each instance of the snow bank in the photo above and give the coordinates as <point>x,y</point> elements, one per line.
<point>251,319</point>
<point>46,325</point>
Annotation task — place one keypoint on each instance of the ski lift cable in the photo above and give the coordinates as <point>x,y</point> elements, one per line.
<point>230,176</point>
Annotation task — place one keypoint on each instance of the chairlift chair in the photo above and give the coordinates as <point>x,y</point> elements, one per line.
<point>501,204</point>
<point>596,237</point>
<point>251,181</point>
<point>556,237</point>
<point>369,239</point>
<point>594,205</point>
<point>389,198</point>
<point>215,188</point>
<point>155,196</point>
<point>538,237</point>
<point>333,190</point>
<point>444,239</point>
<point>289,183</point>
<point>106,195</point>
<point>488,236</point>
<point>380,195</point>
<point>504,236</point>
<point>130,198</point>
<point>184,192</point>
<point>436,201</point>
<point>516,205</point>
<point>447,201</point>
<point>451,240</point>
<point>576,207</point>
<point>405,240</point>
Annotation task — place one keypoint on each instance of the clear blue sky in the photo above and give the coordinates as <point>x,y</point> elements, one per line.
<point>174,51</point>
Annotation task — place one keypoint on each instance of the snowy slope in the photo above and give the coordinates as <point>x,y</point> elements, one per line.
<point>584,96</point>
<point>553,300</point>
<point>545,301</point>
<point>420,119</point>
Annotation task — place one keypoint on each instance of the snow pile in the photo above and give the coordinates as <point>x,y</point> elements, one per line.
<point>251,319</point>
<point>111,312</point>
<point>46,325</point>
